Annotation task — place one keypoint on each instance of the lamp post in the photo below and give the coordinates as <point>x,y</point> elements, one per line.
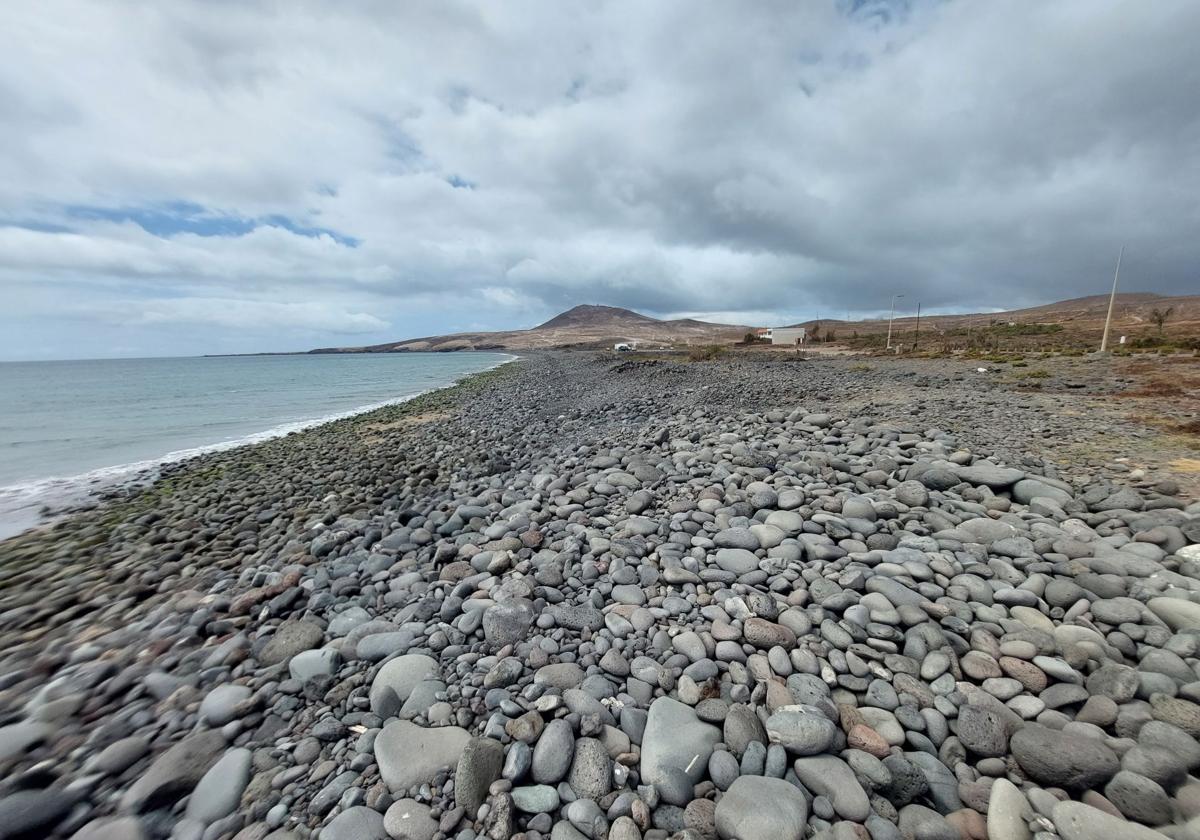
<point>890,319</point>
<point>1111,300</point>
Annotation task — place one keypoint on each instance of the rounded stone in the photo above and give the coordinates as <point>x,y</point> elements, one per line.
<point>801,729</point>
<point>408,819</point>
<point>1056,758</point>
<point>761,807</point>
<point>553,753</point>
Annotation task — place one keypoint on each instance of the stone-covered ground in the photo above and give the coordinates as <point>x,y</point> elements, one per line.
<point>592,596</point>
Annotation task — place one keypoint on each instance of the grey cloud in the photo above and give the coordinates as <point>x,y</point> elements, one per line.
<point>671,157</point>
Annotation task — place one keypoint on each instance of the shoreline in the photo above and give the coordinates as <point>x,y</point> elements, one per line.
<point>580,572</point>
<point>27,501</point>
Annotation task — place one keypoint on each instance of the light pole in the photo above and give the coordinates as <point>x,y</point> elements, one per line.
<point>1111,300</point>
<point>890,319</point>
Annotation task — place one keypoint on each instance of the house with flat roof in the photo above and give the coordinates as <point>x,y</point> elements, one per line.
<point>788,336</point>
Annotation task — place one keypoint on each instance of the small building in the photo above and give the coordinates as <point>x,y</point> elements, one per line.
<point>763,333</point>
<point>788,336</point>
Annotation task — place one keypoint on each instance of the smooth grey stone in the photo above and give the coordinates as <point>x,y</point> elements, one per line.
<point>119,755</point>
<point>23,812</point>
<point>397,679</point>
<point>309,664</point>
<point>407,819</point>
<point>535,799</point>
<point>220,789</point>
<point>756,806</point>
<point>1056,758</point>
<point>112,828</point>
<point>1139,798</point>
<point>174,773</point>
<point>723,769</point>
<point>832,778</point>
<point>553,753</point>
<point>675,737</point>
<point>219,706</point>
<point>356,823</point>
<point>409,755</point>
<point>1076,821</point>
<point>801,729</point>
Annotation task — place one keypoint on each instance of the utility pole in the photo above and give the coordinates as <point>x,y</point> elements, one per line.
<point>1111,300</point>
<point>917,335</point>
<point>890,319</point>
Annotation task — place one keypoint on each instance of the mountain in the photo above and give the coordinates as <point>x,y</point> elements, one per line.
<point>585,326</point>
<point>589,315</point>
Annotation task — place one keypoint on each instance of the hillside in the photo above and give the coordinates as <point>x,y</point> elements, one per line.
<point>587,316</point>
<point>592,326</point>
<point>585,326</point>
<point>1086,314</point>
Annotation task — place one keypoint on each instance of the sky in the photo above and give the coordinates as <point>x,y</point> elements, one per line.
<point>236,176</point>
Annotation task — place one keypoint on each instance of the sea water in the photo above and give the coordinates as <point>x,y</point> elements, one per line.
<point>69,429</point>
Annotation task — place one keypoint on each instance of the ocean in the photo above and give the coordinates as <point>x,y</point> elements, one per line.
<point>70,429</point>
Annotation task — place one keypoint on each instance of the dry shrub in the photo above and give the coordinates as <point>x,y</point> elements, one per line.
<point>1155,388</point>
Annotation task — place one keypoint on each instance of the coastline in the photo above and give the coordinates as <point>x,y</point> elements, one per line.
<point>585,561</point>
<point>37,503</point>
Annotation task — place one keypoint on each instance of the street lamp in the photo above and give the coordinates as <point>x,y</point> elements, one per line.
<point>890,317</point>
<point>1111,300</point>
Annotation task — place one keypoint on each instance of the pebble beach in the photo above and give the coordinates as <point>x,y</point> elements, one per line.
<point>593,597</point>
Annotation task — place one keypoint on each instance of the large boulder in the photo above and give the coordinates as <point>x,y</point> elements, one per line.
<point>760,806</point>
<point>409,755</point>
<point>1028,489</point>
<point>1076,821</point>
<point>829,776</point>
<point>397,679</point>
<point>1176,612</point>
<point>174,773</point>
<point>989,474</point>
<point>220,790</point>
<point>1063,760</point>
<point>675,737</point>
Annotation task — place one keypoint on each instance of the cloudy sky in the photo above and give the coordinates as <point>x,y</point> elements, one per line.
<point>182,177</point>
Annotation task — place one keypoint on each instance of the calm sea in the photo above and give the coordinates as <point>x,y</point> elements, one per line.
<point>68,429</point>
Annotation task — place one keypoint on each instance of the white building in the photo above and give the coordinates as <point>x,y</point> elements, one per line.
<point>788,335</point>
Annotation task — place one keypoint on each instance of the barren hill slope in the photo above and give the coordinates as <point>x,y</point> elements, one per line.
<point>1131,310</point>
<point>593,326</point>
<point>582,326</point>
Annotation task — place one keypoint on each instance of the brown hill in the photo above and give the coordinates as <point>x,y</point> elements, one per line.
<point>583,326</point>
<point>1131,311</point>
<point>589,315</point>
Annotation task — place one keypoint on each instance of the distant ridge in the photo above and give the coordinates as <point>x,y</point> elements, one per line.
<point>1131,309</point>
<point>596,326</point>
